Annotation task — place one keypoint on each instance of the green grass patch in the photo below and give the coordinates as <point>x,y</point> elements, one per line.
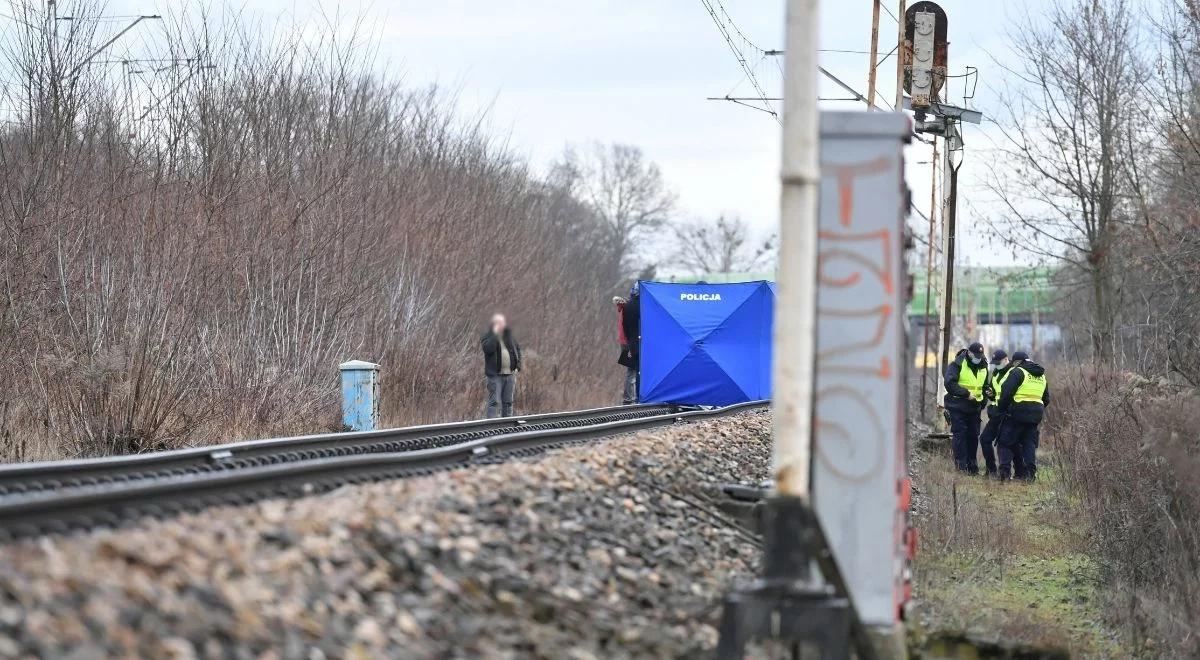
<point>1001,566</point>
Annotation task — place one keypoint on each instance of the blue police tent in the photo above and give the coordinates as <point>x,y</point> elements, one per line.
<point>706,344</point>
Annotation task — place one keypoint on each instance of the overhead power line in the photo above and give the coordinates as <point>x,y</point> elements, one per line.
<point>729,29</point>
<point>108,43</point>
<point>848,88</point>
<point>23,22</point>
<point>725,25</point>
<point>729,20</point>
<point>858,96</point>
<point>884,7</point>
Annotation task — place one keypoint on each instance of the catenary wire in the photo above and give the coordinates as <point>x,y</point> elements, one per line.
<point>737,52</point>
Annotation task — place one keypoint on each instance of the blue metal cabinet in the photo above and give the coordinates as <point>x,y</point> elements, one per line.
<point>360,395</point>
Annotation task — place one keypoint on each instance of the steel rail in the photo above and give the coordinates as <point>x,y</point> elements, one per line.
<point>115,503</point>
<point>21,478</point>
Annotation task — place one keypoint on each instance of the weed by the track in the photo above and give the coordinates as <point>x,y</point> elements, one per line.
<point>1001,569</point>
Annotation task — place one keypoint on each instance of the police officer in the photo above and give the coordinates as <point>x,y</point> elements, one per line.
<point>966,378</point>
<point>1022,405</point>
<point>991,430</point>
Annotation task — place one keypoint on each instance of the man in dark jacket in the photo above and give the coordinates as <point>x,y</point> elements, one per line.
<point>631,341</point>
<point>501,362</point>
<point>1022,405</point>
<point>966,378</point>
<point>991,393</point>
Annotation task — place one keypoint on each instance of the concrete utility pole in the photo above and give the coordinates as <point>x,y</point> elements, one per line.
<point>1034,317</point>
<point>1007,335</point>
<point>971,316</point>
<point>929,262</point>
<point>796,298</point>
<point>953,160</point>
<point>790,602</point>
<point>874,54</point>
<point>900,57</point>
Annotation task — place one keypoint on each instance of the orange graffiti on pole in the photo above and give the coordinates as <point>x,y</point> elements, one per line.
<point>846,174</point>
<point>855,267</point>
<point>882,271</point>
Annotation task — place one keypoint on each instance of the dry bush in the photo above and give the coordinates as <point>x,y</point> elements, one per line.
<point>195,272</point>
<point>1128,447</point>
<point>952,518</point>
<point>1127,444</point>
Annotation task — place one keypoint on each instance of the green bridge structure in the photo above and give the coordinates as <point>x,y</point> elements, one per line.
<point>1010,307</point>
<point>991,294</point>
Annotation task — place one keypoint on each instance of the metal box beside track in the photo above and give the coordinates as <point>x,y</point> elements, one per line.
<point>860,487</point>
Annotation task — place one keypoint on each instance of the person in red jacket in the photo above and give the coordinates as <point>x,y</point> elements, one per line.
<point>629,336</point>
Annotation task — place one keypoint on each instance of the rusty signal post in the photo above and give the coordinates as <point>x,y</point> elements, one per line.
<point>924,54</point>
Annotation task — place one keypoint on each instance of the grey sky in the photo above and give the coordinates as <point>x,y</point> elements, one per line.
<point>553,72</point>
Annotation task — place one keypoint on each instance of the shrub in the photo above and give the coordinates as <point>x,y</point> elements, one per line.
<point>1129,448</point>
<point>195,272</point>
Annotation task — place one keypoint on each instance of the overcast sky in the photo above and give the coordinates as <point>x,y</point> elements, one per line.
<point>551,73</point>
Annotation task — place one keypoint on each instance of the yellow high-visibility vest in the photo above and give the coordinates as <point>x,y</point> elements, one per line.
<point>997,383</point>
<point>972,380</point>
<point>1031,389</point>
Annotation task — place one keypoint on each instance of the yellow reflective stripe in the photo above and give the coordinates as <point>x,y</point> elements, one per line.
<point>1031,389</point>
<point>997,383</point>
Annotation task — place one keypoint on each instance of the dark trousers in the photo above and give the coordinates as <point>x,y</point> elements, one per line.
<point>1018,448</point>
<point>500,395</point>
<point>987,442</point>
<point>964,429</point>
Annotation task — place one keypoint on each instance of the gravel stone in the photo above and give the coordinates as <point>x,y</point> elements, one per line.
<point>611,549</point>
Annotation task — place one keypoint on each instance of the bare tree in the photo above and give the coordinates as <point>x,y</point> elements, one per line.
<point>1107,177</point>
<point>721,245</point>
<point>625,191</point>
<point>1064,174</point>
<point>195,273</point>
<point>1161,258</point>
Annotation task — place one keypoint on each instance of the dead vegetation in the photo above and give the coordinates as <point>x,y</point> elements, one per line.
<point>1002,568</point>
<point>1099,174</point>
<point>1128,451</point>
<point>1099,557</point>
<point>186,267</point>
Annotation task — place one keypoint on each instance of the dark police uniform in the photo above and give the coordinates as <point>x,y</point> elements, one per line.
<point>1023,400</point>
<point>991,430</point>
<point>963,402</point>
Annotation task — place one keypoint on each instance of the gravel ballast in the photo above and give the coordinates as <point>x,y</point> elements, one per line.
<point>605,550</point>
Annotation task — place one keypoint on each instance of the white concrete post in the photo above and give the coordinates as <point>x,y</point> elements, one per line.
<point>796,297</point>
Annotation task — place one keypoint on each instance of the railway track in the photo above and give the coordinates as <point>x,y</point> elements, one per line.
<point>59,475</point>
<point>63,496</point>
